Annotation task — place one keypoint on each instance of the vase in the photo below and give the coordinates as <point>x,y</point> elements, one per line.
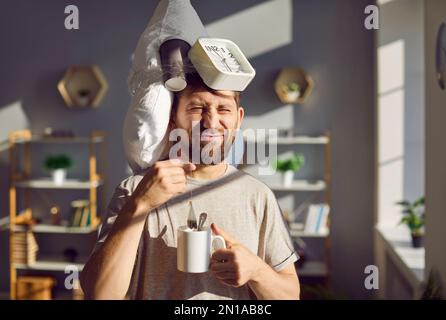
<point>83,101</point>
<point>417,241</point>
<point>292,95</point>
<point>59,176</point>
<point>287,178</point>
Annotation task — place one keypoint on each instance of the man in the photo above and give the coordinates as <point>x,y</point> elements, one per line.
<point>136,251</point>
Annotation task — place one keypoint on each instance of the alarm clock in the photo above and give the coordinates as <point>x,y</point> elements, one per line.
<point>221,64</point>
<point>441,55</point>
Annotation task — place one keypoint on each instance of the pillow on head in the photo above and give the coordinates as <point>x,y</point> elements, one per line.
<point>145,125</point>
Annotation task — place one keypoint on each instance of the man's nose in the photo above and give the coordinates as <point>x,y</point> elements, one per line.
<point>211,120</point>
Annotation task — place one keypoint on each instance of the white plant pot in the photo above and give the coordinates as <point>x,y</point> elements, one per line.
<point>293,96</point>
<point>83,101</point>
<point>288,177</point>
<point>59,176</point>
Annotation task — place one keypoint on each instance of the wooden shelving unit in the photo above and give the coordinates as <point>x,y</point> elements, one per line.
<point>320,269</point>
<point>21,181</point>
<point>300,185</point>
<point>297,140</point>
<point>297,231</point>
<point>48,264</point>
<point>46,183</point>
<point>47,228</point>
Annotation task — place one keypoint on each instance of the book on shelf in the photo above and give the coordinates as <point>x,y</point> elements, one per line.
<point>317,219</point>
<point>76,217</point>
<point>25,248</point>
<point>80,216</point>
<point>85,217</point>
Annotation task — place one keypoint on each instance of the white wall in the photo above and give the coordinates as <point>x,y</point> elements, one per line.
<point>400,114</point>
<point>430,13</point>
<point>400,165</point>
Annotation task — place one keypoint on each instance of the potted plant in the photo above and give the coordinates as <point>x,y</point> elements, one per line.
<point>291,91</point>
<point>288,167</point>
<point>58,165</point>
<point>83,96</point>
<point>414,219</point>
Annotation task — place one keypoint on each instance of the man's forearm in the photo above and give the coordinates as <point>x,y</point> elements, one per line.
<point>271,285</point>
<point>108,273</point>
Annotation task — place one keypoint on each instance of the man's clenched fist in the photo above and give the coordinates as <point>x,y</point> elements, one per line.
<point>164,180</point>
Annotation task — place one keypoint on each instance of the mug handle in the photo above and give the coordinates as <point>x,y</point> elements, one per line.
<point>221,245</point>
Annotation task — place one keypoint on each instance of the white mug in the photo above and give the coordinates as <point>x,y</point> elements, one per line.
<point>194,249</point>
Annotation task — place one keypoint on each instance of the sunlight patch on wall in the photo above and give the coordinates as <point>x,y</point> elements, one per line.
<point>258,29</point>
<point>391,109</point>
<point>277,118</point>
<point>13,118</point>
<point>391,67</point>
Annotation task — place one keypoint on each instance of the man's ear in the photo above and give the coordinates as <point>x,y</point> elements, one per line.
<point>240,115</point>
<point>171,125</point>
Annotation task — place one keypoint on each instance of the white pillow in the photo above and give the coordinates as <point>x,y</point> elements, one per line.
<point>145,125</point>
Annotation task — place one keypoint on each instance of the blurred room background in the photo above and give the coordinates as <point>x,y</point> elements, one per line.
<point>367,130</point>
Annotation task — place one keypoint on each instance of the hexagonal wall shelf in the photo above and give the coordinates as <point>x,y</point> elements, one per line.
<point>83,86</point>
<point>293,85</point>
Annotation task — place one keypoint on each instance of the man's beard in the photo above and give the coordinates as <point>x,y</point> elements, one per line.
<point>201,145</point>
<point>212,153</point>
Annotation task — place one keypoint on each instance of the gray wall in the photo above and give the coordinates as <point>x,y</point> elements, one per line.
<point>435,153</point>
<point>329,41</point>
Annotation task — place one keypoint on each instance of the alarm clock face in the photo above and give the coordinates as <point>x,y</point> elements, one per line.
<point>441,56</point>
<point>223,58</point>
<point>221,64</point>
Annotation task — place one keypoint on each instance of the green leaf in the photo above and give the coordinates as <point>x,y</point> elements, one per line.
<point>419,202</point>
<point>54,162</point>
<point>413,218</point>
<point>292,87</point>
<point>294,163</point>
<point>404,203</point>
<point>405,220</point>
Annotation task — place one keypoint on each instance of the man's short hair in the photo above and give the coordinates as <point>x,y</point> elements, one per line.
<point>195,81</point>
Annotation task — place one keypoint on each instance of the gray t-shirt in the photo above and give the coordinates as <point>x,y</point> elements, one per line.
<point>238,203</point>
